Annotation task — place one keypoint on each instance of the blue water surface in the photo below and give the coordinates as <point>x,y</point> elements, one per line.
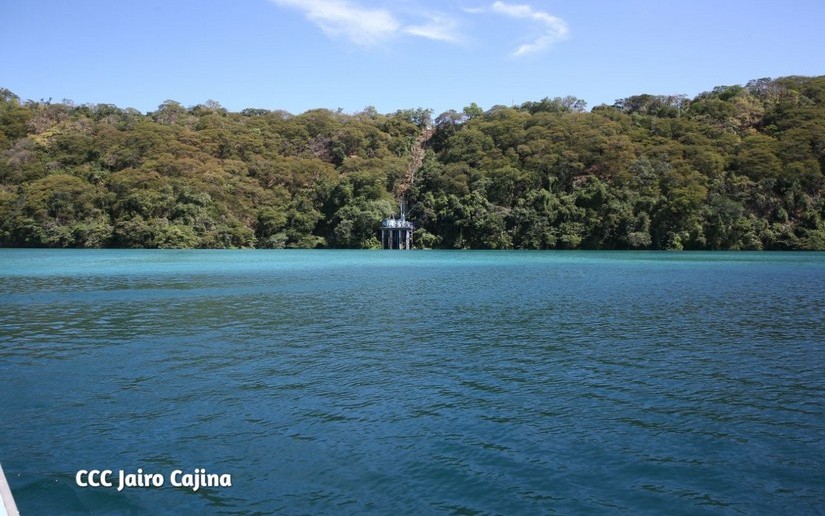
<point>382,382</point>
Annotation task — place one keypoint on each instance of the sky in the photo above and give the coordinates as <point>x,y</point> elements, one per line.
<point>296,55</point>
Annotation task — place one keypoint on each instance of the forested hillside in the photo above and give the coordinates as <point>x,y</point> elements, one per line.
<point>739,167</point>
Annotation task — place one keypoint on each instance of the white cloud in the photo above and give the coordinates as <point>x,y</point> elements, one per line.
<point>361,25</point>
<point>370,26</point>
<point>438,28</point>
<point>553,28</point>
<point>475,10</point>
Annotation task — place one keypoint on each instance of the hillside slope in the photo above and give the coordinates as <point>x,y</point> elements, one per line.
<point>738,167</point>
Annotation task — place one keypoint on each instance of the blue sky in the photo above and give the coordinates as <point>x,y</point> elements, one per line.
<point>297,55</point>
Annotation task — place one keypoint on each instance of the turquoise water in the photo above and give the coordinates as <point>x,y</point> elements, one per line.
<point>358,382</point>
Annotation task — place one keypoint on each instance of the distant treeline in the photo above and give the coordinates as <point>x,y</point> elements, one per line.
<point>738,167</point>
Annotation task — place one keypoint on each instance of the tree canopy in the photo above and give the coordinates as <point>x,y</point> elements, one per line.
<point>738,167</point>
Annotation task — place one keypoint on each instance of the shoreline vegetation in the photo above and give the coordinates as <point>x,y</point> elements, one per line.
<point>737,167</point>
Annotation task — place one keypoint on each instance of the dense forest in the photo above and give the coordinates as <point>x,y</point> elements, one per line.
<point>738,167</point>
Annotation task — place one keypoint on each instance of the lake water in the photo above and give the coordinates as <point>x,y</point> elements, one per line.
<point>381,382</point>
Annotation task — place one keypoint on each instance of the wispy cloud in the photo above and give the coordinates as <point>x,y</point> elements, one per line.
<point>553,29</point>
<point>439,28</point>
<point>367,26</point>
<point>361,25</point>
